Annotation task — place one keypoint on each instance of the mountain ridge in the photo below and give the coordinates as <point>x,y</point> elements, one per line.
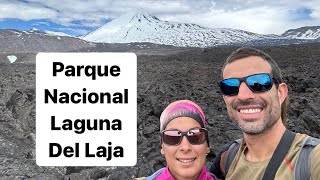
<point>142,27</point>
<point>306,32</point>
<point>12,40</point>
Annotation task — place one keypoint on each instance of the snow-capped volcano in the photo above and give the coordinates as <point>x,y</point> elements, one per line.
<point>307,32</point>
<point>143,27</point>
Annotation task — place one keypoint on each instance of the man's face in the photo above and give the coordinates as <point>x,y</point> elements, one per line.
<point>253,112</point>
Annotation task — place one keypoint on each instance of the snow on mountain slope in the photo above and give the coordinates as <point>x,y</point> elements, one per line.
<point>46,32</point>
<point>143,27</point>
<point>307,32</point>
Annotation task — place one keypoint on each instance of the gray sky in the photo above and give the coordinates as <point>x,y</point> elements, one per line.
<point>82,16</point>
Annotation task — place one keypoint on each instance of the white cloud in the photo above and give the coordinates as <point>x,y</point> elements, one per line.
<point>271,17</point>
<point>24,11</point>
<point>260,19</point>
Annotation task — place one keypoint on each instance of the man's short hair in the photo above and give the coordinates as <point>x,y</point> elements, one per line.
<point>244,52</point>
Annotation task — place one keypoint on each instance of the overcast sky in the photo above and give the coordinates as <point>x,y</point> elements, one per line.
<point>78,17</point>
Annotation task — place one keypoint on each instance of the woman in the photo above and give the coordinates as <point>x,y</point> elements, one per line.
<point>184,142</point>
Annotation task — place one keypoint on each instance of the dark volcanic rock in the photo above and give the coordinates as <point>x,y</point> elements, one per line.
<point>162,78</point>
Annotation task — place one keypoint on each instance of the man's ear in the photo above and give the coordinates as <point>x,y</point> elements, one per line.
<point>224,98</point>
<point>282,92</point>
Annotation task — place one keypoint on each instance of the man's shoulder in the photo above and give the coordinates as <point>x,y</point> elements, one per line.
<point>309,158</point>
<point>297,144</point>
<point>294,150</point>
<point>316,153</point>
<point>300,138</point>
<point>317,148</point>
<point>315,163</point>
<point>302,141</point>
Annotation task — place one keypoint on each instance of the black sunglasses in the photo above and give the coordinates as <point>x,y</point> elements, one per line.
<point>256,83</point>
<point>174,137</point>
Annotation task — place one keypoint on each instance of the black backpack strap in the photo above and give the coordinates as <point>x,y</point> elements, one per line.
<point>278,155</point>
<point>215,167</point>
<point>302,168</point>
<point>231,154</point>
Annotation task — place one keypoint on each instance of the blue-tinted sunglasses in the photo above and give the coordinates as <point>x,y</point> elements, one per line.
<point>256,83</point>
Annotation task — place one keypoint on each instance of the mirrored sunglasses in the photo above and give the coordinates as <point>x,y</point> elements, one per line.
<point>174,137</point>
<point>256,83</point>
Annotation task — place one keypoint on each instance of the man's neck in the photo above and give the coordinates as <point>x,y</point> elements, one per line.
<point>261,146</point>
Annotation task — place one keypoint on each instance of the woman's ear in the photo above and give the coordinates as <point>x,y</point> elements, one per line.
<point>208,150</point>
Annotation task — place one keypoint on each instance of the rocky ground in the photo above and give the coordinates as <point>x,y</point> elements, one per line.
<point>164,75</point>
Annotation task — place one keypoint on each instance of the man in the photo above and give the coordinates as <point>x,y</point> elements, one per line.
<point>256,99</point>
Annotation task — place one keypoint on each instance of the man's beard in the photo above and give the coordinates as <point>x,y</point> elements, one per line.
<point>253,126</point>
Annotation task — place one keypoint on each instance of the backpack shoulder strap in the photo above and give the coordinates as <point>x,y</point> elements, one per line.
<point>278,155</point>
<point>216,168</point>
<point>154,175</point>
<point>231,154</point>
<point>303,163</point>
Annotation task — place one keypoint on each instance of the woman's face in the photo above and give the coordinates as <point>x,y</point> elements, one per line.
<point>184,160</point>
